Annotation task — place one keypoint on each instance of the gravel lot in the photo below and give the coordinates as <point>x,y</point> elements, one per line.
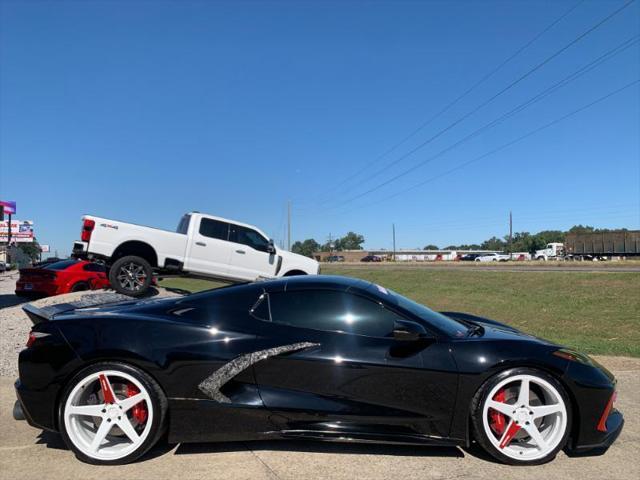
<point>15,324</point>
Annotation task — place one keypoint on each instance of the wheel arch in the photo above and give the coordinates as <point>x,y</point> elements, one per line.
<point>137,248</point>
<point>294,272</point>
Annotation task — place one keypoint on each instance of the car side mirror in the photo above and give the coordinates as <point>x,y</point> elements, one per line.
<point>408,331</point>
<point>271,248</point>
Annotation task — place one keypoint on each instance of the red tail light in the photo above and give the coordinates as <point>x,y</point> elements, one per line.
<point>602,424</point>
<point>31,339</point>
<point>87,228</point>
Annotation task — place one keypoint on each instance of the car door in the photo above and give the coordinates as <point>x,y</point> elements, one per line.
<point>343,373</point>
<point>250,258</point>
<point>210,250</point>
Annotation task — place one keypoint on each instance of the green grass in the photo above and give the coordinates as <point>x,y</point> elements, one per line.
<point>596,313</point>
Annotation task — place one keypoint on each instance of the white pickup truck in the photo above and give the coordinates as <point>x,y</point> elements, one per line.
<point>202,245</point>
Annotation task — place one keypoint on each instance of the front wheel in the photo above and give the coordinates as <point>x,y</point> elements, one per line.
<point>111,414</point>
<point>131,275</point>
<point>522,417</point>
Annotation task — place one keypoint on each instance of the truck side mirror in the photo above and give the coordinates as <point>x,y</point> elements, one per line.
<point>271,248</point>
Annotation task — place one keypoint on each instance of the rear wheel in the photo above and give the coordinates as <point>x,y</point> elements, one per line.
<point>111,414</point>
<point>522,417</point>
<point>131,275</point>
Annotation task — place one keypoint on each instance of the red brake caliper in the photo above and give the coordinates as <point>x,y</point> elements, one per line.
<point>139,411</point>
<point>497,420</point>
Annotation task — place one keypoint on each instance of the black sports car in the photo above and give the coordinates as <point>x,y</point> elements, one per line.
<point>323,358</point>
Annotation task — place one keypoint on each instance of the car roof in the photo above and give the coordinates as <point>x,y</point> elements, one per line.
<point>314,281</point>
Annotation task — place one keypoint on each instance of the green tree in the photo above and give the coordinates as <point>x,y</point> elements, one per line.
<point>306,247</point>
<point>351,241</point>
<point>431,247</point>
<point>494,243</point>
<point>32,250</point>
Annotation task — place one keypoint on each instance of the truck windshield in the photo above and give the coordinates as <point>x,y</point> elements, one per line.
<point>183,226</point>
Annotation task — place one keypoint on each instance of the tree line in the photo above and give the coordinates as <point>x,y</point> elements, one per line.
<point>525,241</point>
<point>351,241</point>
<point>521,242</point>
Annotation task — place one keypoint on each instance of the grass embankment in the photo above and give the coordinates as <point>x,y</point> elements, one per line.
<point>597,313</point>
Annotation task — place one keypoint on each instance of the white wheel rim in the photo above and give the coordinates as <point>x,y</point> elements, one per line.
<point>534,426</point>
<point>90,426</point>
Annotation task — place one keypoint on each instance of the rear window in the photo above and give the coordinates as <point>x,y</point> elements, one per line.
<point>61,265</point>
<point>183,226</point>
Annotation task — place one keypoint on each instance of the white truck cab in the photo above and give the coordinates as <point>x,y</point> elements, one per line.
<point>552,251</point>
<point>203,245</point>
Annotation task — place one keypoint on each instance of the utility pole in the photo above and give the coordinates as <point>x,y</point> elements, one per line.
<point>510,235</point>
<point>393,227</point>
<point>289,225</point>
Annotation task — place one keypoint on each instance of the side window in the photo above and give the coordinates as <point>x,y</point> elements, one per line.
<point>247,236</point>
<point>261,308</point>
<point>332,311</point>
<point>214,229</point>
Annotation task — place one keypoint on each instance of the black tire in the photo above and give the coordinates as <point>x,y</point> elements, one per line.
<point>476,416</point>
<point>120,267</point>
<point>80,287</point>
<point>158,399</point>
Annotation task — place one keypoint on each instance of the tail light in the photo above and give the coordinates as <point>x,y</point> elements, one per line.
<point>33,336</point>
<point>87,228</point>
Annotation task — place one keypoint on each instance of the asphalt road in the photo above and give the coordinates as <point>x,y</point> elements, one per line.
<point>27,453</point>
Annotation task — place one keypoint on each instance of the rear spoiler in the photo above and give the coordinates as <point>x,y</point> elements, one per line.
<point>45,314</point>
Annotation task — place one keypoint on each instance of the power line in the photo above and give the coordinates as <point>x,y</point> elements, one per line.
<point>508,144</point>
<point>460,97</point>
<point>486,102</point>
<point>519,108</point>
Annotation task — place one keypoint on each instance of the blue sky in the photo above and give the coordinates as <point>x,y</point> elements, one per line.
<point>141,111</point>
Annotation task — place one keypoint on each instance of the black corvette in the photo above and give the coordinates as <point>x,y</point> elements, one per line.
<point>322,358</point>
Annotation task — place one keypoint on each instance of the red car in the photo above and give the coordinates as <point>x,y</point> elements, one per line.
<point>62,277</point>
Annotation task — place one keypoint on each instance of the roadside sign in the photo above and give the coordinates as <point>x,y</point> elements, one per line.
<point>45,248</point>
<point>9,208</point>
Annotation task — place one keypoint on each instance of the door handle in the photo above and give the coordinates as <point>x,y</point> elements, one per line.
<point>201,244</point>
<point>241,251</point>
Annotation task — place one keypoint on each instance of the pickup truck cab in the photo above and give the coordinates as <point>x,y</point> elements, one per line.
<point>203,245</point>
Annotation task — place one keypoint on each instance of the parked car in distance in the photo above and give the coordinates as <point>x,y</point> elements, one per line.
<point>371,258</point>
<point>469,257</point>
<point>492,257</point>
<point>313,357</point>
<point>3,267</point>
<point>335,258</point>
<point>202,245</point>
<point>61,277</point>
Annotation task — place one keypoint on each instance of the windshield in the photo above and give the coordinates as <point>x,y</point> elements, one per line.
<point>445,324</point>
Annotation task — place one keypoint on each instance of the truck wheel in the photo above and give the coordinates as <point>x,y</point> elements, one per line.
<point>130,275</point>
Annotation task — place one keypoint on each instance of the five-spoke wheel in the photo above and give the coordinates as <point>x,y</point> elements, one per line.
<point>111,413</point>
<point>522,417</point>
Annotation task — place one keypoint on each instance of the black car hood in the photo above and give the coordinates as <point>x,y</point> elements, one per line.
<point>493,330</point>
